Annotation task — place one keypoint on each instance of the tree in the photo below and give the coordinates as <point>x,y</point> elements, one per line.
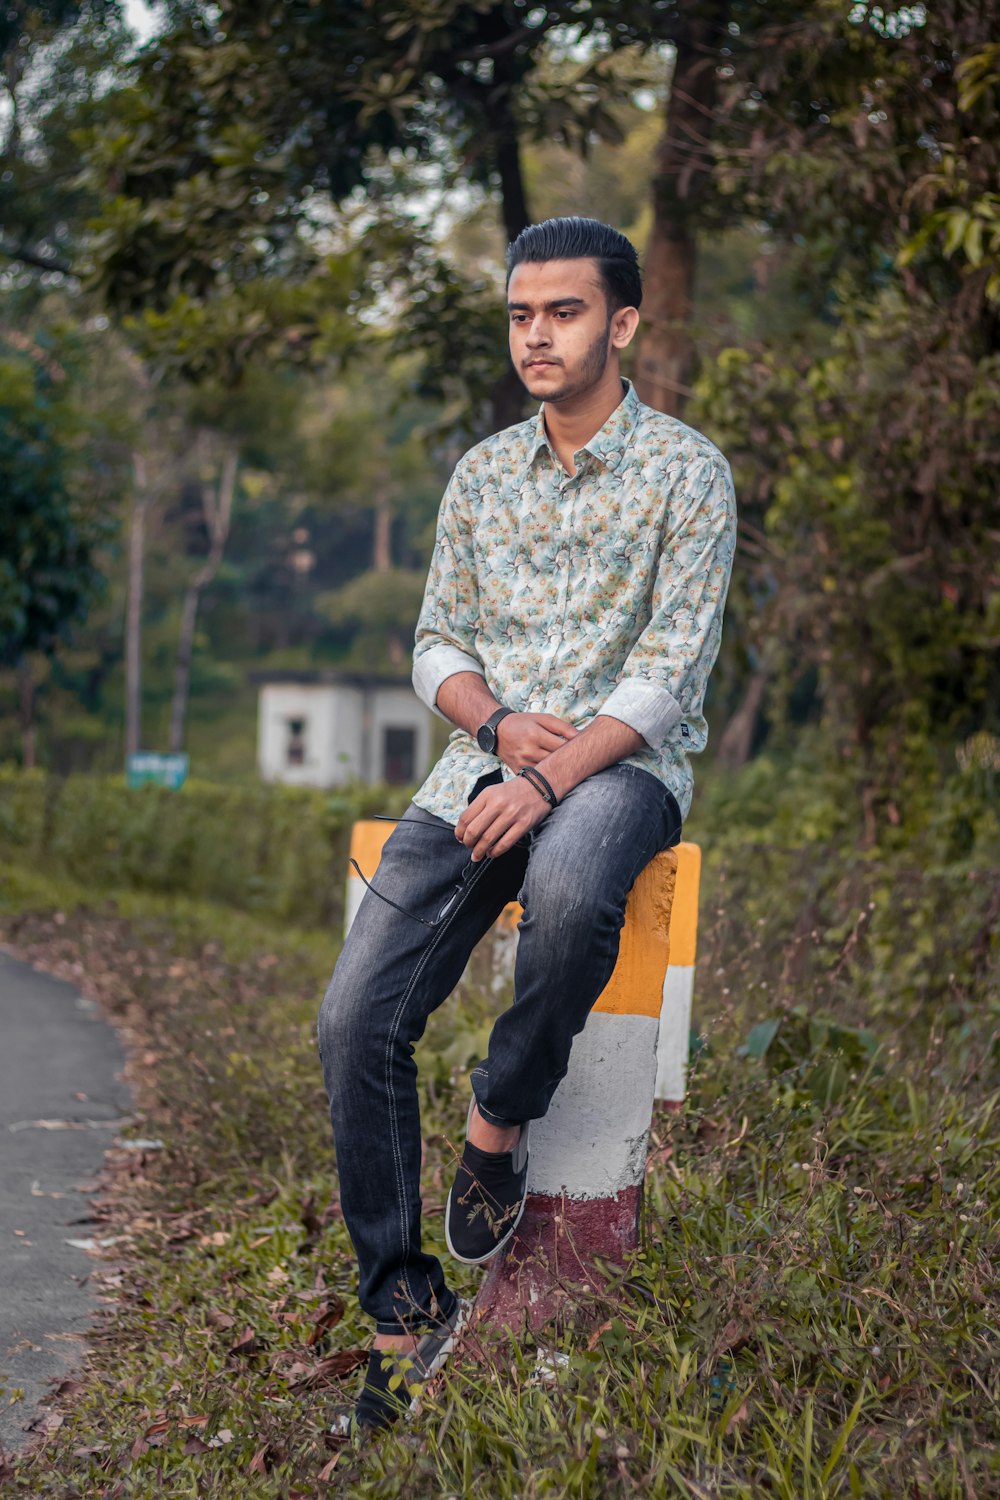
<point>53,520</point>
<point>55,60</point>
<point>372,454</point>
<point>227,165</point>
<point>866,457</point>
<point>682,180</point>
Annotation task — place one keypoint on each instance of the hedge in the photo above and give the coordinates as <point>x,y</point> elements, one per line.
<point>274,849</point>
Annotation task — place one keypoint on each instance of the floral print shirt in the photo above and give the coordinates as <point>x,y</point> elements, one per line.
<point>600,593</point>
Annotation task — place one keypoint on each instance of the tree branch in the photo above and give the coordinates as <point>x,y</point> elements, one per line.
<point>31,258</point>
<point>509,42</point>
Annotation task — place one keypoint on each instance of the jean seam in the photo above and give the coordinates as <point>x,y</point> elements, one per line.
<point>394,1025</point>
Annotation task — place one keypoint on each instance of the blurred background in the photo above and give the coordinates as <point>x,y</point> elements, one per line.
<point>251,313</point>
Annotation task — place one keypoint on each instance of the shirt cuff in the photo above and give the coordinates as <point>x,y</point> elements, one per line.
<point>432,667</point>
<point>645,707</point>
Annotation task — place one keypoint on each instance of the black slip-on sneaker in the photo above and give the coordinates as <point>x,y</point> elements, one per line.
<point>486,1200</point>
<point>394,1382</point>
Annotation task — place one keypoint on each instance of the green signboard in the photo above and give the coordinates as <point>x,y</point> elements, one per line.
<point>160,770</point>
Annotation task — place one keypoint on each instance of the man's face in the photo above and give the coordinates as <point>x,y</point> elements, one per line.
<point>561,334</point>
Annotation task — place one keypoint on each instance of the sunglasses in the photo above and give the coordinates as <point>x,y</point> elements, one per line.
<point>469,875</point>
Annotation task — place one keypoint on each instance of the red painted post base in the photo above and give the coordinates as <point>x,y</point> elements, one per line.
<point>551,1259</point>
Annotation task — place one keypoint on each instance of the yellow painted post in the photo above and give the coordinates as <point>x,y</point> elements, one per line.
<point>367,839</point>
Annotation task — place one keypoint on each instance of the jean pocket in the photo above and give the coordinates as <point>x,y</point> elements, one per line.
<point>673,823</point>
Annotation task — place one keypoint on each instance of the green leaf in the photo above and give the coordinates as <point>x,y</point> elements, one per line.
<point>761,1036</point>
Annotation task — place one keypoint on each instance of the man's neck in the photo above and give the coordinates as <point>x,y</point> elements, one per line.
<point>570,425</point>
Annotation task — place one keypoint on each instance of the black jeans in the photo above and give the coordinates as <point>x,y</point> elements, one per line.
<point>572,880</point>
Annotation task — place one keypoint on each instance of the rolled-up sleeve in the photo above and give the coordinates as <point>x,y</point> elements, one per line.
<point>449,616</point>
<point>664,676</point>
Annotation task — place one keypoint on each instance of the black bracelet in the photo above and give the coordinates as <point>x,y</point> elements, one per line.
<point>541,785</point>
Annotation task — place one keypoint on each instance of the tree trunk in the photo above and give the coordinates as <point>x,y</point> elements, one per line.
<point>513,201</point>
<point>508,399</point>
<point>683,171</point>
<point>382,547</point>
<point>26,705</point>
<point>133,619</point>
<point>218,505</point>
<point>737,737</point>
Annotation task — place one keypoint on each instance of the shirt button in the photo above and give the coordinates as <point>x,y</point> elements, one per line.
<point>563,558</point>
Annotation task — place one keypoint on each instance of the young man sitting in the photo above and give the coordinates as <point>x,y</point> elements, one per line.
<point>572,616</point>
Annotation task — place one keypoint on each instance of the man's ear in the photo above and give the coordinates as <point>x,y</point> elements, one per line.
<point>623,326</point>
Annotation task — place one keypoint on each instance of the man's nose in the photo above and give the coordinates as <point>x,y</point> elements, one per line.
<point>538,333</point>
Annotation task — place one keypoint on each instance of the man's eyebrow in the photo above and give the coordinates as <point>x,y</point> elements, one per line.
<point>548,306</point>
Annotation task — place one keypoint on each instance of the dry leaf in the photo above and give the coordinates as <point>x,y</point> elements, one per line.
<point>258,1464</point>
<point>194,1444</point>
<point>326,1472</point>
<point>328,1317</point>
<point>334,1368</point>
<point>249,1342</point>
<point>742,1414</point>
<point>595,1337</point>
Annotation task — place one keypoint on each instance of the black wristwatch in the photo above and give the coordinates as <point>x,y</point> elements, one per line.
<point>486,734</point>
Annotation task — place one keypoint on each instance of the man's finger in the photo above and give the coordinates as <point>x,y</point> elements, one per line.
<point>546,740</point>
<point>476,822</point>
<point>476,810</point>
<point>507,841</point>
<point>490,838</point>
<point>557,726</point>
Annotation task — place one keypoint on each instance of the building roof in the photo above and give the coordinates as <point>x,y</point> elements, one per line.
<point>330,677</point>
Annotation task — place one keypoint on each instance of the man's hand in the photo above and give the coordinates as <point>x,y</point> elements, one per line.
<point>525,739</point>
<point>499,816</point>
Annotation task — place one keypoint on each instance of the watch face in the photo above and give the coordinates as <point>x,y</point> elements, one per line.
<point>486,738</point>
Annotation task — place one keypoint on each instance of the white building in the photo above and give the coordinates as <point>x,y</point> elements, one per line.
<point>329,727</point>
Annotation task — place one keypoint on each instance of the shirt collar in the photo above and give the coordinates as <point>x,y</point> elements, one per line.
<point>609,443</point>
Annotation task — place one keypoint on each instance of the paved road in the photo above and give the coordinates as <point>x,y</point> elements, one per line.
<point>54,1049</point>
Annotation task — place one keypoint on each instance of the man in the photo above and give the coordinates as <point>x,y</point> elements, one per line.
<point>572,615</point>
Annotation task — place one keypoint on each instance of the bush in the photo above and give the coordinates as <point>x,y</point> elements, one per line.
<point>274,849</point>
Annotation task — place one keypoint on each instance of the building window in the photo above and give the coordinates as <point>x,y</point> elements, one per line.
<point>400,756</point>
<point>295,748</point>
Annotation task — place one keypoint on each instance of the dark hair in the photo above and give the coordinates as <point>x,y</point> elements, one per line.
<point>584,239</point>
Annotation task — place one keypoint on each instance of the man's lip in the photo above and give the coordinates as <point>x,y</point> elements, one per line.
<point>533,364</point>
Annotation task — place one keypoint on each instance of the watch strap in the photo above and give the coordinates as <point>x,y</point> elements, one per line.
<point>486,734</point>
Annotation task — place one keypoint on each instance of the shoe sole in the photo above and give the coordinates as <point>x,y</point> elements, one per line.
<point>449,1344</point>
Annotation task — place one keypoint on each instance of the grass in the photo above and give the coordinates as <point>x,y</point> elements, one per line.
<point>813,1311</point>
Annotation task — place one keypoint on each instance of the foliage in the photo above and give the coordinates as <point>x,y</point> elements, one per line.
<point>864,454</point>
<point>54,515</point>
<point>814,1307</point>
<point>232,160</point>
<point>279,850</point>
<point>57,58</point>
